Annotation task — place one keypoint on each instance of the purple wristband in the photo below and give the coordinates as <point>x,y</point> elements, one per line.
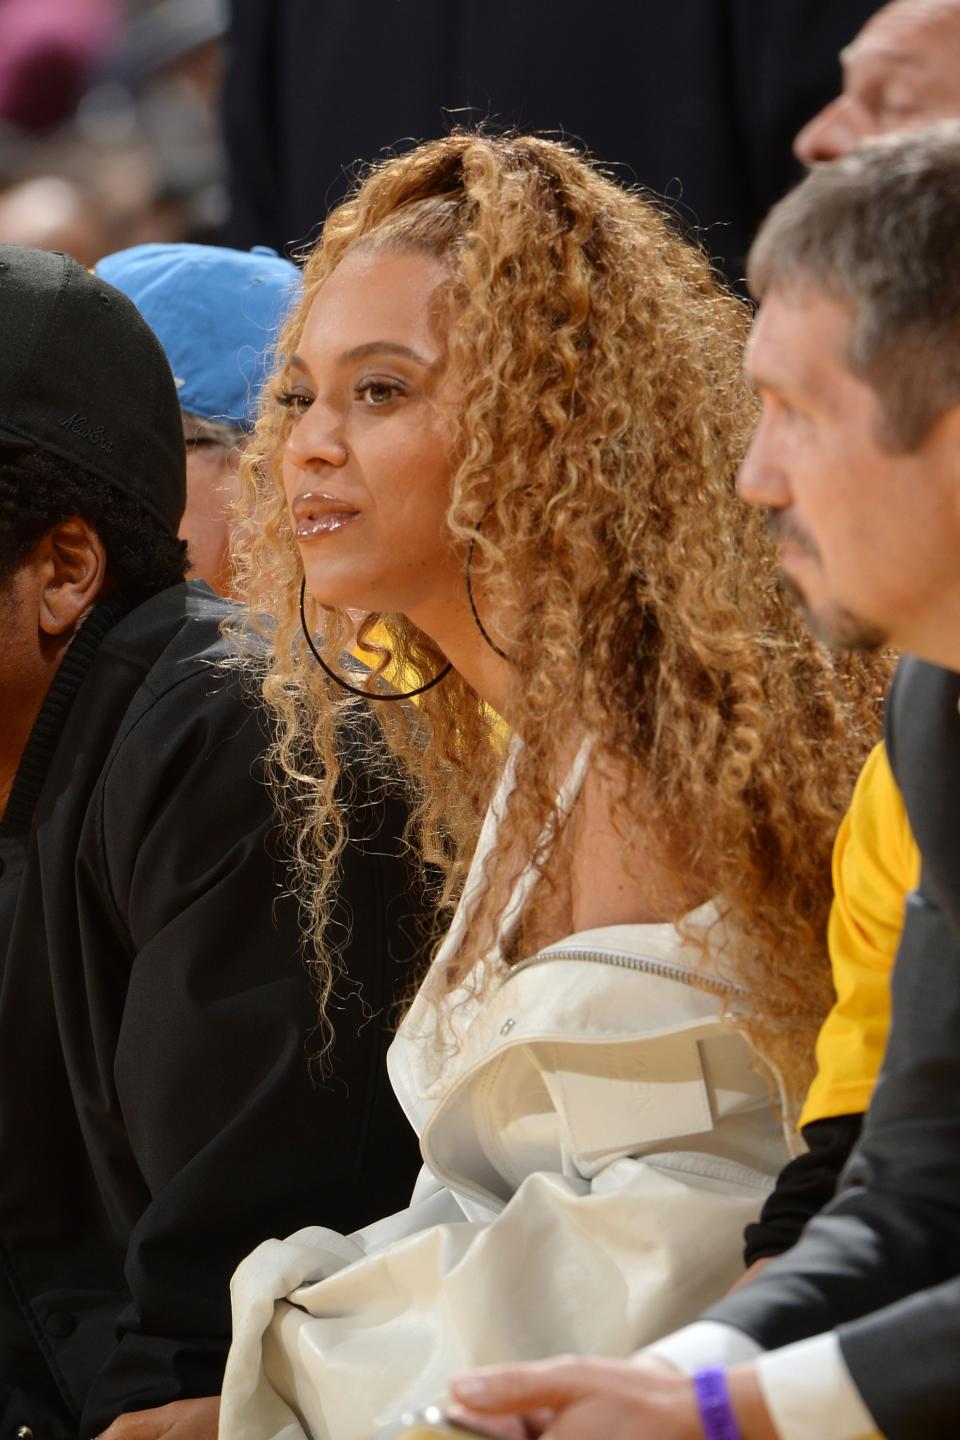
<point>713,1402</point>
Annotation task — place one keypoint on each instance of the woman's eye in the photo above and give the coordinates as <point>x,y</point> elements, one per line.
<point>375,393</point>
<point>295,402</point>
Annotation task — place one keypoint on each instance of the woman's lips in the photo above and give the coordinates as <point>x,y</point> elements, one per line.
<point>316,513</point>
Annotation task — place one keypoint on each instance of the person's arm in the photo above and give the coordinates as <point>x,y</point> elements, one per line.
<point>580,1399</point>
<point>893,1372</point>
<point>876,864</point>
<point>803,1187</point>
<point>224,1135</point>
<point>894,1228</point>
<point>180,1420</point>
<point>904,1361</point>
<point>804,1392</point>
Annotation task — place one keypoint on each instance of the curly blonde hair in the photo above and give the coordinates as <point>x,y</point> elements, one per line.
<point>602,417</point>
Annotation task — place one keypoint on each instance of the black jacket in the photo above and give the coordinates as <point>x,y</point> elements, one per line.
<point>882,1263</point>
<point>158,1114</point>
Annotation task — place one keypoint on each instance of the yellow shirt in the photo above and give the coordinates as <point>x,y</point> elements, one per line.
<point>876,863</point>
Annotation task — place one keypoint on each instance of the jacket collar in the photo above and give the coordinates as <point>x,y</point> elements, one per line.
<point>48,726</point>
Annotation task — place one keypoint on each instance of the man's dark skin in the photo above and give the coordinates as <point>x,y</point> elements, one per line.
<point>45,601</point>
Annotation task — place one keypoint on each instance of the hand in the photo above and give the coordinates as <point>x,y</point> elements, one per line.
<point>180,1420</point>
<point>581,1399</point>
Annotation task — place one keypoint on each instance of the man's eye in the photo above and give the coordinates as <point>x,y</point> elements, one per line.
<point>375,393</point>
<point>294,402</point>
<point>894,106</point>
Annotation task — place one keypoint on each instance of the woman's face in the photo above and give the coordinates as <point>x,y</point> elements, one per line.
<point>366,467</point>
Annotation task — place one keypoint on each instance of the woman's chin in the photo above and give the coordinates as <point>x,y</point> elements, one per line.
<point>336,599</point>
<point>336,591</point>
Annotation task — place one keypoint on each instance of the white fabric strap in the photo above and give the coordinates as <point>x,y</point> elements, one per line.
<point>411,1080</point>
<point>526,884</point>
<point>486,844</point>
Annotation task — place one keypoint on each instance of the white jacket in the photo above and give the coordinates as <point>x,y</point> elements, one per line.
<point>593,1149</point>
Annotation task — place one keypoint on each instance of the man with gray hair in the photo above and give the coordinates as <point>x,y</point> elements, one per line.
<point>901,72</point>
<point>855,356</point>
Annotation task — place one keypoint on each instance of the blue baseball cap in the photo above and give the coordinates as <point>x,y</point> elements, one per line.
<point>217,314</point>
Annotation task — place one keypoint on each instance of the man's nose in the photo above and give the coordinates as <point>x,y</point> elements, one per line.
<point>760,480</point>
<point>836,130</point>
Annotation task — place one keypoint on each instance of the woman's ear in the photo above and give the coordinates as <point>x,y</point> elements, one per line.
<point>74,565</point>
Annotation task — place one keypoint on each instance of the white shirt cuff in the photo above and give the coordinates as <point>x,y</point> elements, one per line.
<point>704,1343</point>
<point>810,1392</point>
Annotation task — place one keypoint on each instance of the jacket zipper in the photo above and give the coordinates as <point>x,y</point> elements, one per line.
<point>630,962</point>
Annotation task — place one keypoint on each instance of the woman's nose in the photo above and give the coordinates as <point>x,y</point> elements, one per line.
<point>317,438</point>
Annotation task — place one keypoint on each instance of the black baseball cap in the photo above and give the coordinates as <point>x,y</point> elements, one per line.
<point>83,376</point>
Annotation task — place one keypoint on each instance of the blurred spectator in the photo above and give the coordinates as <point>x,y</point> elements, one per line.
<point>901,72</point>
<point>48,49</point>
<point>53,213</point>
<point>216,313</point>
<point>132,135</point>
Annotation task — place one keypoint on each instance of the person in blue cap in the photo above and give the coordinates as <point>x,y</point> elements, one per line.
<point>217,313</point>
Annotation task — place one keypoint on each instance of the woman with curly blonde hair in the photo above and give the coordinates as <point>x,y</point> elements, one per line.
<point>507,431</point>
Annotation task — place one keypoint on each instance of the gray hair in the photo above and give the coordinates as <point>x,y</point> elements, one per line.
<point>879,231</point>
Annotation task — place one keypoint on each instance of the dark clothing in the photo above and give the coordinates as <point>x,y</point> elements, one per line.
<point>882,1262</point>
<point>803,1187</point>
<point>158,1116</point>
<point>696,99</point>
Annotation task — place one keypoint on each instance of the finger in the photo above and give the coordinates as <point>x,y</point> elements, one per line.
<point>543,1385</point>
<point>510,1427</point>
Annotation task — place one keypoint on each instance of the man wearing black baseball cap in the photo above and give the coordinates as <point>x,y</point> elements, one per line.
<point>157,1113</point>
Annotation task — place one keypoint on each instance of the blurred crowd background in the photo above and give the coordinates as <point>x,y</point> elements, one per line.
<point>123,121</point>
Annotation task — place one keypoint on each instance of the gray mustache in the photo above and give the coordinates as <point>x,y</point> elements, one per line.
<point>781,525</point>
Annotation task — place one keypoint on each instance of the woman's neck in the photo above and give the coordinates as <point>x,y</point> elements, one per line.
<point>603,878</point>
<point>451,626</point>
<point>612,880</point>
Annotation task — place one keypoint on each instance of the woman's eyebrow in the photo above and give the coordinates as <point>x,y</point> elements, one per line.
<point>361,352</point>
<point>384,347</point>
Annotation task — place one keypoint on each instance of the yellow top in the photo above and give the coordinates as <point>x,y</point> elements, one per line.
<point>876,863</point>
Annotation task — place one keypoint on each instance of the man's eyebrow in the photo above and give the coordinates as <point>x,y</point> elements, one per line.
<point>902,58</point>
<point>371,347</point>
<point>766,376</point>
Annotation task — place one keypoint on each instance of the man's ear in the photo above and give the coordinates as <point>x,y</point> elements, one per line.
<point>942,445</point>
<point>74,569</point>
